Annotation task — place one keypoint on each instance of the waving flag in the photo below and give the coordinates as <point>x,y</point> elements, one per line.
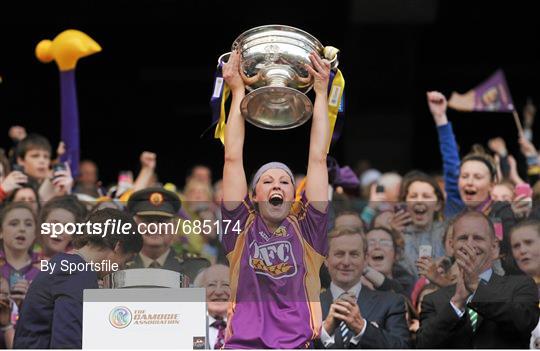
<point>491,95</point>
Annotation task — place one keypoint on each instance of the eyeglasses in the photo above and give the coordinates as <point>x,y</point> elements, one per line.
<point>381,242</point>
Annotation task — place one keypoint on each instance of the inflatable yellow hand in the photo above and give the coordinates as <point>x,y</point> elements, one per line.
<point>66,49</point>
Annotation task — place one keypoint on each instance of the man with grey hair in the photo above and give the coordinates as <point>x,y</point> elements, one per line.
<point>215,279</point>
<point>483,309</point>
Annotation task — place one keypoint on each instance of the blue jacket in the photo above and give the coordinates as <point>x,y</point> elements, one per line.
<point>451,164</point>
<point>51,315</point>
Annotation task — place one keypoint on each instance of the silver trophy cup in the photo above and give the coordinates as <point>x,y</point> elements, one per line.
<point>273,60</point>
<point>145,278</point>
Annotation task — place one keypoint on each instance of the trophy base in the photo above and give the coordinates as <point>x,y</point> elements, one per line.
<point>276,108</point>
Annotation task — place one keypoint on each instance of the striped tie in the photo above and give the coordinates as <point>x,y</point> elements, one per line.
<point>345,335</point>
<point>154,264</point>
<point>473,316</point>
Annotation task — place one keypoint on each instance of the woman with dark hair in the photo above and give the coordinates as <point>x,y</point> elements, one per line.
<point>276,253</point>
<point>63,210</point>
<point>27,193</point>
<point>525,243</point>
<point>468,181</point>
<point>18,226</point>
<point>4,171</point>
<point>424,206</point>
<point>52,314</point>
<point>383,271</point>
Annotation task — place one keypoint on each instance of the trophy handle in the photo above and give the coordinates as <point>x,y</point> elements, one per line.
<point>334,62</point>
<point>306,80</point>
<point>222,57</point>
<point>247,80</point>
<point>250,80</point>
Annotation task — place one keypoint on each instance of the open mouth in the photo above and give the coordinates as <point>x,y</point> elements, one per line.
<point>276,199</point>
<point>419,210</point>
<point>377,257</point>
<point>20,238</point>
<point>57,239</point>
<point>470,192</point>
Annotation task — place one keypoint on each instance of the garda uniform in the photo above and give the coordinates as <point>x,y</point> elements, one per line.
<point>158,202</point>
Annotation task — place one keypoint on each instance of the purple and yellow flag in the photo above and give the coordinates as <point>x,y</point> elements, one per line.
<point>491,95</point>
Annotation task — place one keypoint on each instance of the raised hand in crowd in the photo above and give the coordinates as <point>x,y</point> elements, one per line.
<point>401,219</point>
<point>13,181</point>
<point>529,112</point>
<point>18,291</point>
<point>527,148</point>
<point>5,307</point>
<point>513,172</point>
<point>62,181</point>
<point>148,160</point>
<point>5,314</point>
<point>498,146</point>
<point>376,198</point>
<point>434,271</point>
<point>17,133</point>
<point>148,166</point>
<point>437,106</point>
<point>58,183</point>
<point>60,151</point>
<point>522,205</point>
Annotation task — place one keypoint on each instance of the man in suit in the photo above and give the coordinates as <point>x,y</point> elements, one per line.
<point>155,211</point>
<point>483,309</point>
<point>215,279</point>
<point>355,316</point>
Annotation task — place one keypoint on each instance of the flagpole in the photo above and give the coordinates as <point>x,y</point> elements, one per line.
<point>518,123</point>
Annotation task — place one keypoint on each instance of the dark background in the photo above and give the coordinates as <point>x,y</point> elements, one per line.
<point>150,86</point>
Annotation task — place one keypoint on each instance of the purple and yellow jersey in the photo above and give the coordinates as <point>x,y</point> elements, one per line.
<point>275,282</point>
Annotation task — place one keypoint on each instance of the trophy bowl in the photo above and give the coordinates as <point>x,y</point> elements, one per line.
<point>273,60</point>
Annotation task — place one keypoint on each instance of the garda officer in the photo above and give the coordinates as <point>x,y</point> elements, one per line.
<point>155,210</point>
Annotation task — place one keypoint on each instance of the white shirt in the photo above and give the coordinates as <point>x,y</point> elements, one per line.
<point>535,335</point>
<point>329,340</point>
<point>212,331</point>
<point>147,261</point>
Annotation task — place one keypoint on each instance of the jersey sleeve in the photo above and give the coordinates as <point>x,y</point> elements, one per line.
<point>233,223</point>
<point>314,226</point>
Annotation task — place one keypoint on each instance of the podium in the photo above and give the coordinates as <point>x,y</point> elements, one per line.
<point>144,316</point>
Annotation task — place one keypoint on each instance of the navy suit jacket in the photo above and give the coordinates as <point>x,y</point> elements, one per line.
<point>384,313</point>
<point>51,315</point>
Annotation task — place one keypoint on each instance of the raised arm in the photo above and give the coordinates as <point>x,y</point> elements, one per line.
<point>449,151</point>
<point>234,177</point>
<point>317,173</point>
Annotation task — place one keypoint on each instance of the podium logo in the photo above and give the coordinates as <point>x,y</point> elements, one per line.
<point>120,317</point>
